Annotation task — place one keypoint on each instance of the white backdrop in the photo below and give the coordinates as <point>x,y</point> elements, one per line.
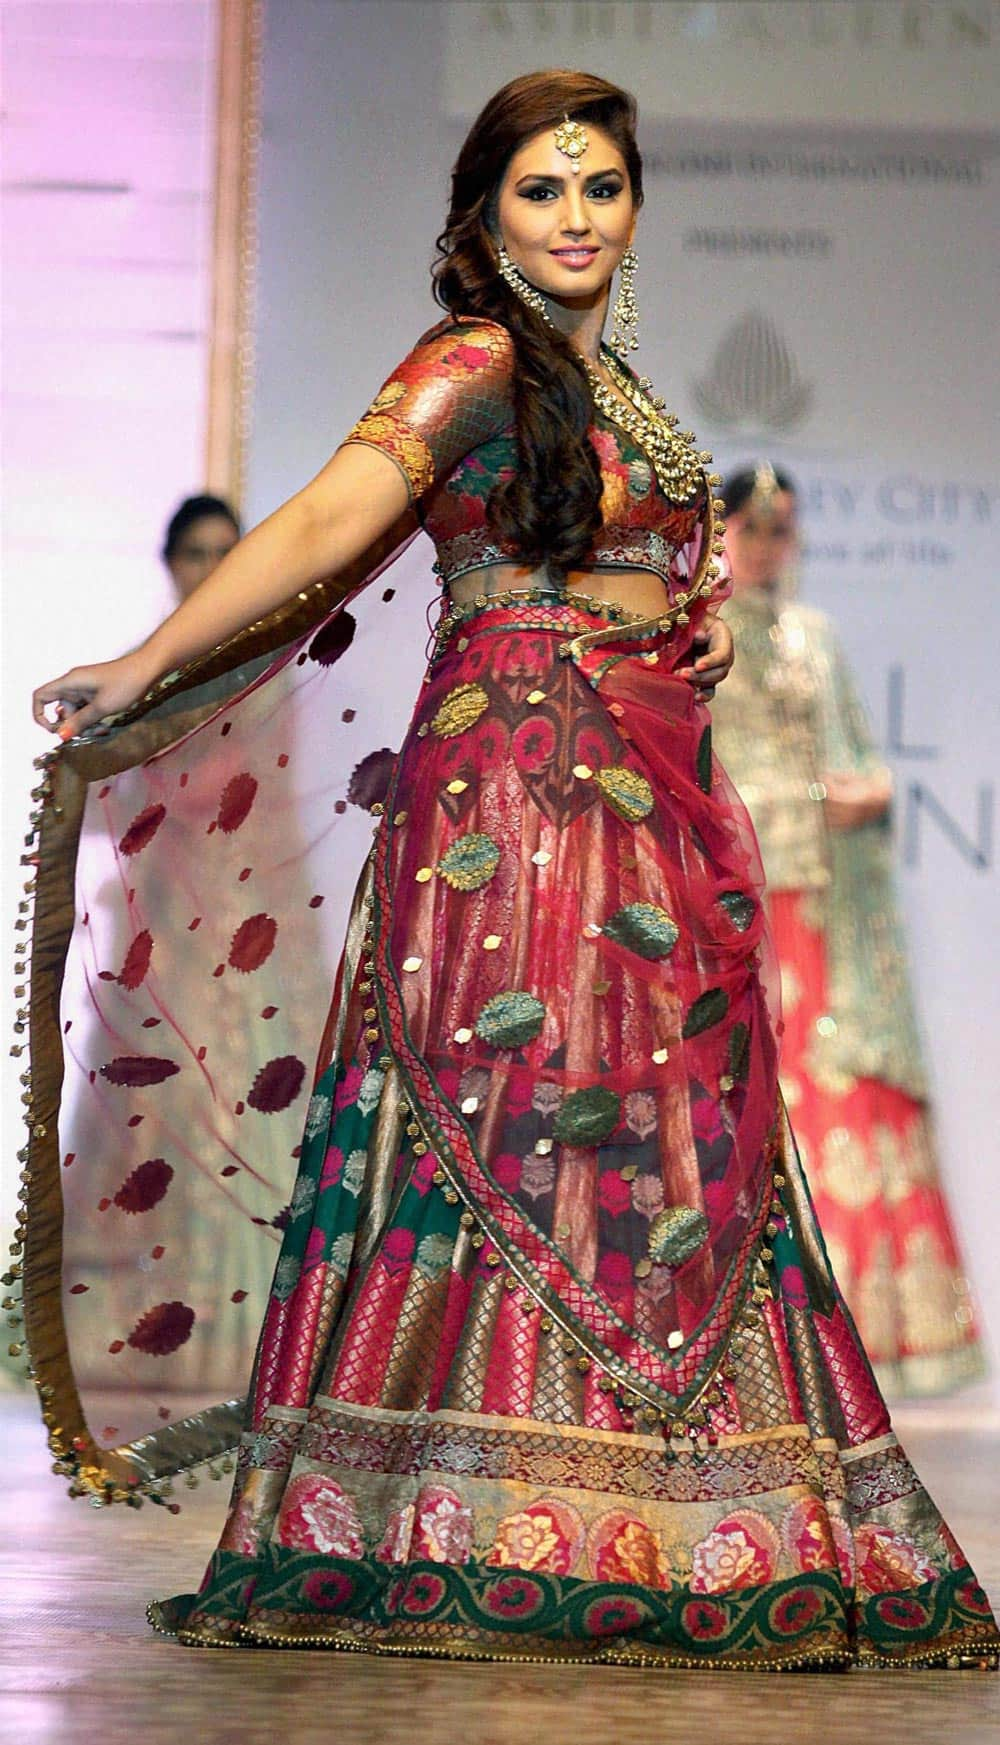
<point>106,212</point>
<point>813,284</point>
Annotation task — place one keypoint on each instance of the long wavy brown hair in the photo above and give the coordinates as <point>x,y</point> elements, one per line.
<point>549,512</point>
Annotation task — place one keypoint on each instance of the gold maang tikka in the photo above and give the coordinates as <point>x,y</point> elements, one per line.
<point>765,488</point>
<point>571,139</point>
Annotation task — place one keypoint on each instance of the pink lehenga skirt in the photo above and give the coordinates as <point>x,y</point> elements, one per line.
<point>869,1151</point>
<point>554,1366</point>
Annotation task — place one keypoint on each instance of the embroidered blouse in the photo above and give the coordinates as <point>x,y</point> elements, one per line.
<point>446,417</point>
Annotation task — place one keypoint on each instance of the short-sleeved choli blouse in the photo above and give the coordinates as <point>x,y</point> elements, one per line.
<point>446,417</point>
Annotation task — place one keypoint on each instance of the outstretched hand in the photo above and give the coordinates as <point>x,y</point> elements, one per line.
<point>85,695</point>
<point>713,647</point>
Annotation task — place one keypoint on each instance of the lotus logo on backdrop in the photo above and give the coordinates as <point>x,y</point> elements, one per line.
<point>753,382</point>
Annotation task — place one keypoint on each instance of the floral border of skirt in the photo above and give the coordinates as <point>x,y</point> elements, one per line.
<point>472,1612</point>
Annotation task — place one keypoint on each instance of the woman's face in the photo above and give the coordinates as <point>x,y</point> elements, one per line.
<point>566,232</point>
<point>761,543</point>
<point>201,548</point>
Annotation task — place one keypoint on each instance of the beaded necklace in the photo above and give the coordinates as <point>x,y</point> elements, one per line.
<point>679,467</point>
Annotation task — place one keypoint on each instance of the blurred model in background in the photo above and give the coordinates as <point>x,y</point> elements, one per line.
<point>792,733</point>
<point>201,531</point>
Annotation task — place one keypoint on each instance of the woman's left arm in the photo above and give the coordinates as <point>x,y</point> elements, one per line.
<point>714,641</point>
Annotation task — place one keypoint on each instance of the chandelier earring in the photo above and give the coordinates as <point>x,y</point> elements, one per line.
<point>625,314</point>
<point>519,284</point>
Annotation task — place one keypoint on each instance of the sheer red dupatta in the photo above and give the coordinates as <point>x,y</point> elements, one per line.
<point>190,875</point>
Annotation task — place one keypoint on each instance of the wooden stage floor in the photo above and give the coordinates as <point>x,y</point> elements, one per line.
<point>78,1665</point>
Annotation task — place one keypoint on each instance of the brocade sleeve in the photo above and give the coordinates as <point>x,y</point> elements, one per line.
<point>452,393</point>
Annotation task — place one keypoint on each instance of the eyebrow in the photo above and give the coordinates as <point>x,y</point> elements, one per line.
<point>558,181</point>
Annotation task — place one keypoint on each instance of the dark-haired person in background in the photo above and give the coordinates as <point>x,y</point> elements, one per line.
<point>200,533</point>
<point>792,733</point>
<point>554,1366</point>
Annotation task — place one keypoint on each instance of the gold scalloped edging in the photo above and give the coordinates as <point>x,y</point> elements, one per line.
<point>822,1660</point>
<point>703,585</point>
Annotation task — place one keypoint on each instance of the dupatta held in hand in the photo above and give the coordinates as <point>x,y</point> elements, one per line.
<point>190,873</point>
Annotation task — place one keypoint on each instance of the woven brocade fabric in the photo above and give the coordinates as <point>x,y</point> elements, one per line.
<point>446,418</point>
<point>552,1363</point>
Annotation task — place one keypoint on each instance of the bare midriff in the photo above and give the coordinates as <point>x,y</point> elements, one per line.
<point>638,591</point>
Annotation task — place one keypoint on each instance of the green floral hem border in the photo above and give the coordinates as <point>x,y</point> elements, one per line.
<point>290,1598</point>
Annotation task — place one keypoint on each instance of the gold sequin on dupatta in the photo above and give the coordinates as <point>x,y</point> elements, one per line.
<point>627,793</point>
<point>459,711</point>
<point>644,928</point>
<point>470,862</point>
<point>676,1233</point>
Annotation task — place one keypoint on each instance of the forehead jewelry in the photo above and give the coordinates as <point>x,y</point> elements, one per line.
<point>571,139</point>
<point>765,488</point>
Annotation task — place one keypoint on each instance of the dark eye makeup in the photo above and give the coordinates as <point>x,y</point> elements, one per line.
<point>606,188</point>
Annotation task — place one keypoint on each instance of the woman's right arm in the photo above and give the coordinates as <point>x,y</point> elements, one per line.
<point>359,495</point>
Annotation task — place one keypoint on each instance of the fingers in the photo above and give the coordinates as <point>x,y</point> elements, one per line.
<point>703,682</point>
<point>68,693</point>
<point>78,721</point>
<point>716,658</point>
<point>67,721</point>
<point>40,701</point>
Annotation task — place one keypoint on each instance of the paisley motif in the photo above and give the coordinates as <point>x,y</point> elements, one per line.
<point>739,1052</point>
<point>643,928</point>
<point>510,1019</point>
<point>676,1233</point>
<point>459,711</point>
<point>470,862</point>
<point>703,761</point>
<point>587,1117</point>
<point>740,908</point>
<point>708,1009</point>
<point>627,792</point>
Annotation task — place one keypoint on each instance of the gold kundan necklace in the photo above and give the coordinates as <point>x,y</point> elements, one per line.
<point>679,467</point>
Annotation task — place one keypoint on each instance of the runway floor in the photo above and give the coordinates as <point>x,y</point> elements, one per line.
<point>78,1663</point>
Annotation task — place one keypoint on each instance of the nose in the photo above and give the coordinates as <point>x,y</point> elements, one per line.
<point>575,221</point>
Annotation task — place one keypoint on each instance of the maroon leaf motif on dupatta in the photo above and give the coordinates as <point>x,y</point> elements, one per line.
<point>277,1084</point>
<point>145,1187</point>
<point>369,783</point>
<point>142,829</point>
<point>163,1329</point>
<point>235,802</point>
<point>333,639</point>
<point>138,1069</point>
<point>253,943</point>
<point>133,971</point>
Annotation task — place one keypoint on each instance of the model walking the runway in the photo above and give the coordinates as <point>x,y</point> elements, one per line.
<point>553,1366</point>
